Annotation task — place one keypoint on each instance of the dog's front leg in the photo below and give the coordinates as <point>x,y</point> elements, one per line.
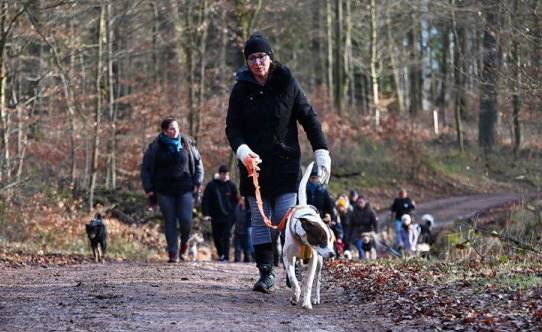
<point>310,279</point>
<point>318,279</point>
<point>290,274</point>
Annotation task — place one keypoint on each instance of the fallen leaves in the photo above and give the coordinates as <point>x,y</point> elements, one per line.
<point>471,295</point>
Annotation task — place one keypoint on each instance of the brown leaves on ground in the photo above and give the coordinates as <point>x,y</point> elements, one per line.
<point>445,296</point>
<point>17,258</point>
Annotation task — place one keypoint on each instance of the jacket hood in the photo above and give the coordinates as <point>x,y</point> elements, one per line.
<point>279,75</point>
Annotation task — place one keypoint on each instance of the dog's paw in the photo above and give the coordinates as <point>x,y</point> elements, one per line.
<point>307,305</point>
<point>294,300</point>
<point>316,301</point>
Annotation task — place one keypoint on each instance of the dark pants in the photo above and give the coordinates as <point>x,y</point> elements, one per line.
<point>221,237</point>
<point>176,210</point>
<point>243,245</point>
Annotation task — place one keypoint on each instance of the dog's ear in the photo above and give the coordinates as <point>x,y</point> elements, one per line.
<point>316,235</point>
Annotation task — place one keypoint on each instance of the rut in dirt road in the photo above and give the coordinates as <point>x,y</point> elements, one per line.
<point>447,210</point>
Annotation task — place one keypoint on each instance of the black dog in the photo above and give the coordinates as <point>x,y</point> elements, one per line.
<point>97,234</point>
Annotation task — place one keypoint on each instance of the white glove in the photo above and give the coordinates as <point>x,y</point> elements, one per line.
<point>323,162</point>
<point>243,151</point>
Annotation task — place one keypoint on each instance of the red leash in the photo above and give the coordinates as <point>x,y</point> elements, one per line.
<point>251,165</point>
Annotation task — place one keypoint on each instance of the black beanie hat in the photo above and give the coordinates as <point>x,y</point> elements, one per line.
<point>257,43</point>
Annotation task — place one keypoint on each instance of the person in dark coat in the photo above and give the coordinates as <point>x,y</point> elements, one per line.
<point>219,202</point>
<point>265,106</point>
<point>344,217</point>
<point>318,196</point>
<point>401,205</point>
<point>243,226</point>
<point>171,173</point>
<point>363,221</point>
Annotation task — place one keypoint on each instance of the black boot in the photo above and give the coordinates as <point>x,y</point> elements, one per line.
<point>264,261</point>
<point>267,279</point>
<point>298,275</point>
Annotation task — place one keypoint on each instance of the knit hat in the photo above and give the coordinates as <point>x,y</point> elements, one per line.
<point>257,43</point>
<point>342,203</point>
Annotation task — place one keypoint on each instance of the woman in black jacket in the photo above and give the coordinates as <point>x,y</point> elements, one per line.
<point>171,172</point>
<point>265,106</point>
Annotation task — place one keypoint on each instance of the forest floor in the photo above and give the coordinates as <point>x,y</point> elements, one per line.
<point>56,292</point>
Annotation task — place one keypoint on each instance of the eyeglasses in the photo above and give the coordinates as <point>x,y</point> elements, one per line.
<point>253,58</point>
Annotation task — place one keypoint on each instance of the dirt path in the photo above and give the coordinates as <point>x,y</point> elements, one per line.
<point>447,210</point>
<point>184,296</point>
<point>188,296</point>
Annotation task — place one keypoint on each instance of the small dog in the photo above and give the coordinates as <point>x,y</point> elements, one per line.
<point>193,243</point>
<point>306,237</point>
<point>368,246</point>
<point>97,234</point>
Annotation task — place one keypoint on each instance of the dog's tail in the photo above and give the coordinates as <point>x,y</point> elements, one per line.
<point>302,195</point>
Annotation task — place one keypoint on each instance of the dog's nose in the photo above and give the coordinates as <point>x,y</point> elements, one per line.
<point>331,254</point>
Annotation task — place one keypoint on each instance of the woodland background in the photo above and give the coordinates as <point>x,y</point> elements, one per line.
<point>85,83</point>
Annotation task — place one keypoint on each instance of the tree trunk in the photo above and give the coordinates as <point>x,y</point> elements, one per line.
<point>443,65</point>
<point>516,79</point>
<point>4,116</point>
<point>459,104</point>
<point>488,87</point>
<point>329,37</point>
<point>203,26</point>
<point>111,174</point>
<point>395,67</point>
<point>339,71</point>
<point>374,64</point>
<point>348,67</point>
<point>98,107</point>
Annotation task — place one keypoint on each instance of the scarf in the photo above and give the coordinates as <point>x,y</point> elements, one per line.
<point>174,144</point>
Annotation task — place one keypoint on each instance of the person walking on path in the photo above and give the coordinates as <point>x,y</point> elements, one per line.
<point>363,221</point>
<point>219,201</point>
<point>265,105</point>
<point>401,205</point>
<point>243,230</point>
<point>318,196</point>
<point>171,173</point>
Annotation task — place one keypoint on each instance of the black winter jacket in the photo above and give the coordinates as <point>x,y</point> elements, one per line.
<point>219,199</point>
<point>363,221</point>
<point>195,164</point>
<point>265,118</point>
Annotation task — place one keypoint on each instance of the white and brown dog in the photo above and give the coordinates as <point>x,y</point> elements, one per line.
<point>193,242</point>
<point>306,237</point>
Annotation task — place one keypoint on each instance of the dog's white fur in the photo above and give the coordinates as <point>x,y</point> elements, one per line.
<point>295,233</point>
<point>192,243</point>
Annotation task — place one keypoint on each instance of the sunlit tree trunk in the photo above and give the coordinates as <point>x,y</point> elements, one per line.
<point>111,177</point>
<point>101,35</point>
<point>374,64</point>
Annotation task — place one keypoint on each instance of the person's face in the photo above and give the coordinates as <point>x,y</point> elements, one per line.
<point>402,194</point>
<point>173,130</point>
<point>259,64</point>
<point>224,176</point>
<point>361,202</point>
<point>314,179</point>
